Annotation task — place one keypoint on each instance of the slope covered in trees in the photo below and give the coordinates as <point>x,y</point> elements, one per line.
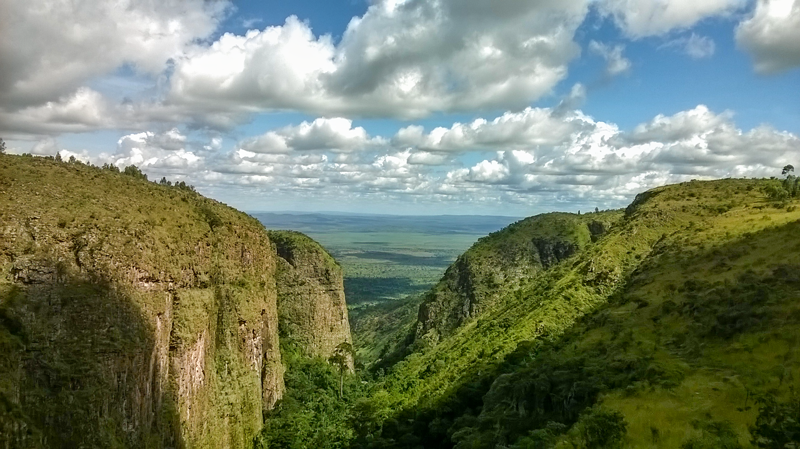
<point>677,326</point>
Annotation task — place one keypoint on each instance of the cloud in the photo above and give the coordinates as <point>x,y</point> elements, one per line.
<point>694,45</point>
<point>615,63</point>
<point>50,48</point>
<point>45,147</point>
<point>426,158</point>
<point>528,128</point>
<point>611,165</point>
<point>87,110</point>
<point>331,134</point>
<point>400,59</point>
<point>540,159</point>
<point>642,18</point>
<point>679,126</point>
<point>83,110</point>
<point>157,152</point>
<point>772,35</point>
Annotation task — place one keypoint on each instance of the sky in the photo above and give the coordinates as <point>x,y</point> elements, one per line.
<point>506,107</point>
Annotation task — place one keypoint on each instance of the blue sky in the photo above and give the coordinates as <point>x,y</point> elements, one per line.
<point>406,106</point>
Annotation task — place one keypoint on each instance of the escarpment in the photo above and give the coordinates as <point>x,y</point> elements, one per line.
<point>133,314</point>
<point>498,263</point>
<point>311,301</point>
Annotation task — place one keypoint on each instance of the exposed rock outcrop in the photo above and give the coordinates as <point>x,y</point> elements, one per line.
<point>311,301</point>
<point>140,315</point>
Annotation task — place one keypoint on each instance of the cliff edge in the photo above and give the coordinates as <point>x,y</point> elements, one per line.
<point>311,302</point>
<point>134,314</point>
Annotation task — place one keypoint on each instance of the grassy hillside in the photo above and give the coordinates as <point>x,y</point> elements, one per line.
<point>132,314</point>
<point>674,328</point>
<point>383,331</point>
<point>496,265</point>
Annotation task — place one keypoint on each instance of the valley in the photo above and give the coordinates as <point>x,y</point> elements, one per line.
<point>671,323</point>
<point>388,256</point>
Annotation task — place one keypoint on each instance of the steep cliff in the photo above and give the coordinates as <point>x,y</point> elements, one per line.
<point>496,264</point>
<point>131,314</point>
<point>311,303</point>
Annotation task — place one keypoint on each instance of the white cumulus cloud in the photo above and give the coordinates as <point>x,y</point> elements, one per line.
<point>642,18</point>
<point>159,152</point>
<point>332,134</point>
<point>399,59</point>
<point>772,35</point>
<point>49,48</point>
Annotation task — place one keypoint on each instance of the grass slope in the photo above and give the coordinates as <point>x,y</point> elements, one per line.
<point>107,281</point>
<point>677,318</point>
<point>382,331</point>
<point>499,263</point>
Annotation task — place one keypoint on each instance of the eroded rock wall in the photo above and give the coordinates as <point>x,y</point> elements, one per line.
<point>131,314</point>
<point>311,301</point>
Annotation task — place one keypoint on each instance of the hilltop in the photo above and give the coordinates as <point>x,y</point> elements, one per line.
<point>136,314</point>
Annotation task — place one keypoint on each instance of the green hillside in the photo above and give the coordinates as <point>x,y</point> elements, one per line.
<point>679,324</point>
<point>141,314</point>
<point>498,264</point>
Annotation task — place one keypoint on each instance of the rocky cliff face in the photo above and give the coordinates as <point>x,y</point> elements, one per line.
<point>499,263</point>
<point>133,314</point>
<point>311,302</point>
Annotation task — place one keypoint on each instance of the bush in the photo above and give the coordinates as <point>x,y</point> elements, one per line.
<point>598,428</point>
<point>134,171</point>
<point>715,435</point>
<point>777,424</point>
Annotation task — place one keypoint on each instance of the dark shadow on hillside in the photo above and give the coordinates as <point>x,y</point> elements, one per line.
<point>545,386</point>
<point>78,368</point>
<point>358,290</point>
<point>406,259</point>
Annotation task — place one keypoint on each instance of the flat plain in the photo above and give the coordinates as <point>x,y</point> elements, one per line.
<point>388,257</point>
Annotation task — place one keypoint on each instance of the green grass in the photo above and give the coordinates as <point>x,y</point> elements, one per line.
<point>101,273</point>
<point>382,266</point>
<point>600,307</point>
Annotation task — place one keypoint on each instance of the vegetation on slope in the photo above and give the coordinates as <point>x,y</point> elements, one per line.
<point>589,339</point>
<point>312,312</point>
<point>131,314</point>
<point>498,263</point>
<point>312,412</point>
<point>382,332</point>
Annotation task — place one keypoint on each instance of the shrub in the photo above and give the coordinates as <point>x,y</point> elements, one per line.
<point>715,435</point>
<point>777,424</point>
<point>598,428</point>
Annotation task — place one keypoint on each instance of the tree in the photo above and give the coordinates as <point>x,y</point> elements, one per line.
<point>2,146</point>
<point>787,169</point>
<point>341,358</point>
<point>134,171</point>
